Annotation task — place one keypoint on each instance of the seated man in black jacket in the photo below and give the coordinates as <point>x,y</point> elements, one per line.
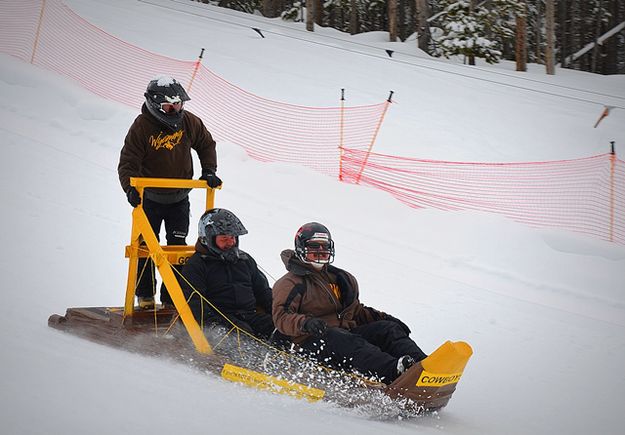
<point>222,274</point>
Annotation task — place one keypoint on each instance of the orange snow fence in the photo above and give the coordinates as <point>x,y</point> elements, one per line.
<point>584,195</point>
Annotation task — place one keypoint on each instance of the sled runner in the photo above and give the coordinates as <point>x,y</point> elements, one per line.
<point>237,356</point>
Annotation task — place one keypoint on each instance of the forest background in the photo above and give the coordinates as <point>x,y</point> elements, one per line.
<point>585,35</point>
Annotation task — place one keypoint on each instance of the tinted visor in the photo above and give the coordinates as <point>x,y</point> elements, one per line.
<point>318,246</point>
<point>318,251</point>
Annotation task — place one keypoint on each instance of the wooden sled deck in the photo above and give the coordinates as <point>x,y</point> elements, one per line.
<point>148,332</point>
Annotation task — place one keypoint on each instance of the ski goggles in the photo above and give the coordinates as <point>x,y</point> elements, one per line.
<point>168,107</point>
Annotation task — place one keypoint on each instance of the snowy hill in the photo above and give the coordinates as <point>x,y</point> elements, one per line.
<point>544,310</point>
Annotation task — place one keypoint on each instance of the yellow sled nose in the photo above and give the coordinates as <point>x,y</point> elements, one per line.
<point>450,357</point>
<point>431,382</point>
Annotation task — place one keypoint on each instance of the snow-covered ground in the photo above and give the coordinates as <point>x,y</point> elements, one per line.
<point>543,310</point>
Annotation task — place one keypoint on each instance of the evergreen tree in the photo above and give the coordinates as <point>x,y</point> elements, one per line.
<point>501,19</point>
<point>465,30</point>
<point>249,6</point>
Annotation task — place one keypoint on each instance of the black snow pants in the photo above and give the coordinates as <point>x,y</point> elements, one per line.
<point>372,349</point>
<point>176,218</point>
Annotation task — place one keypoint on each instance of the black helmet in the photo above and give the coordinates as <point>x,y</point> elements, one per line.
<point>165,99</point>
<point>220,222</point>
<point>314,237</point>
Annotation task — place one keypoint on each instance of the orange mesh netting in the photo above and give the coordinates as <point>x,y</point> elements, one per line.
<point>274,131</point>
<point>583,195</point>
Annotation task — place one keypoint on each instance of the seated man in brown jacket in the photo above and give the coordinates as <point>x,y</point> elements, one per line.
<point>317,306</point>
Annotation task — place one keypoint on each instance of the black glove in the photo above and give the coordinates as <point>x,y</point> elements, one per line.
<point>315,326</point>
<point>401,324</point>
<point>211,179</point>
<point>133,196</point>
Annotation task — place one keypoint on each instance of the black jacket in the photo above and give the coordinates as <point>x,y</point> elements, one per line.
<point>235,288</point>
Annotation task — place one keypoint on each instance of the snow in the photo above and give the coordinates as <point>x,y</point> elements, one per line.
<point>164,80</point>
<point>544,310</point>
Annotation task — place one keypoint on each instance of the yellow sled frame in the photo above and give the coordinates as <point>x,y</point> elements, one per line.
<point>142,237</point>
<point>163,256</point>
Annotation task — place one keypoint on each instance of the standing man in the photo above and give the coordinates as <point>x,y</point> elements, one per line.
<point>223,283</point>
<point>158,144</point>
<point>317,306</point>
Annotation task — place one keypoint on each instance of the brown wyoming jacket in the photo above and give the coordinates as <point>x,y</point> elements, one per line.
<point>153,150</point>
<point>305,292</point>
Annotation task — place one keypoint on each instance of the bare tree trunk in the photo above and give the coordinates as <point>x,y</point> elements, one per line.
<point>392,20</point>
<point>562,5</point>
<point>423,27</point>
<point>612,45</point>
<point>268,9</point>
<point>471,9</point>
<point>550,37</point>
<point>354,25</point>
<point>310,23</point>
<point>318,12</point>
<point>521,40</point>
<point>401,19</point>
<point>595,50</point>
<point>538,33</point>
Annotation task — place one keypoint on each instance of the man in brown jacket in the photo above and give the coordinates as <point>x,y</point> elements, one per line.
<point>158,144</point>
<point>317,306</point>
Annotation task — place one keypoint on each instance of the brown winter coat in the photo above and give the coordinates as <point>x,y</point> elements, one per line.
<point>153,150</point>
<point>305,292</point>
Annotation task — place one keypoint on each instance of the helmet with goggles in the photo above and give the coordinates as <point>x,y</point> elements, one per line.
<point>164,98</point>
<point>314,244</point>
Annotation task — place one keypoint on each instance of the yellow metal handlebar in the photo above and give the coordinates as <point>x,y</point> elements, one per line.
<point>174,183</point>
<point>142,233</point>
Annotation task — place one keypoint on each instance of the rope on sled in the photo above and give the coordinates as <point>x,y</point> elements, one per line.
<point>144,249</point>
<point>240,331</point>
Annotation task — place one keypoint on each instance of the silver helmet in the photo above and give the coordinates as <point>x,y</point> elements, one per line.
<point>220,222</point>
